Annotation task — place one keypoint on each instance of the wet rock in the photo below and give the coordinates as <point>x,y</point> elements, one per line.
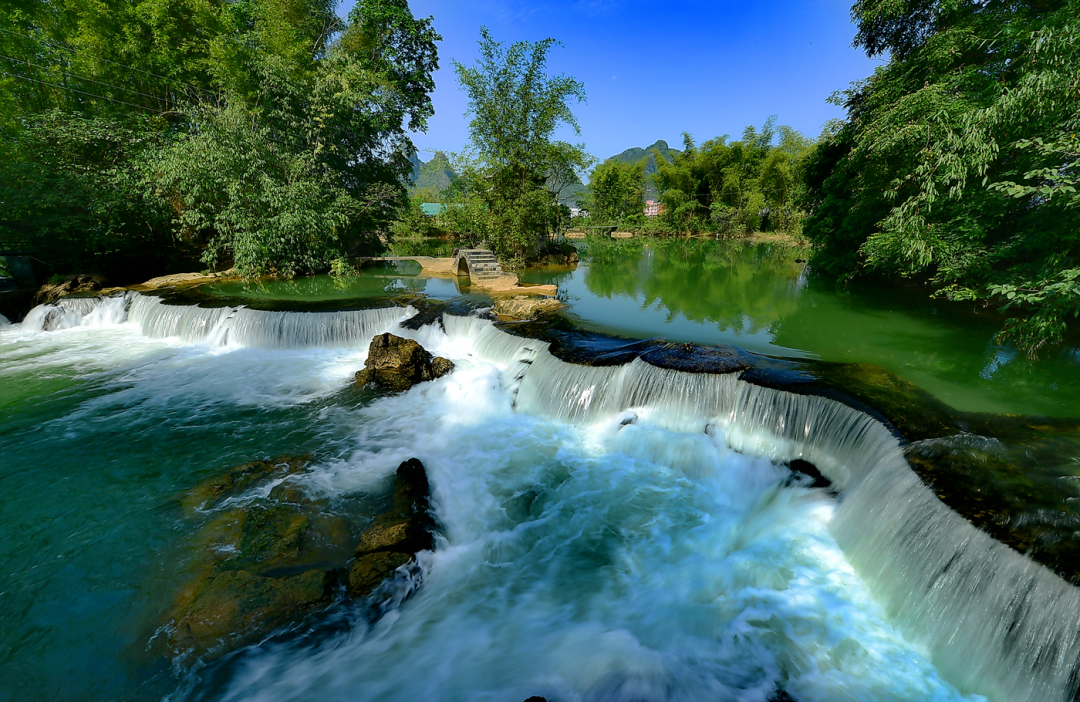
<point>397,364</point>
<point>536,698</point>
<point>233,607</point>
<point>371,570</point>
<point>240,478</point>
<point>810,471</point>
<point>75,284</point>
<point>394,538</point>
<point>273,561</point>
<point>264,565</point>
<point>693,358</point>
<point>781,696</point>
<point>525,307</point>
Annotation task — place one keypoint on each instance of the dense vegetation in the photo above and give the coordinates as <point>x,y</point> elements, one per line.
<point>268,134</point>
<point>957,163</point>
<point>723,187</point>
<point>512,172</point>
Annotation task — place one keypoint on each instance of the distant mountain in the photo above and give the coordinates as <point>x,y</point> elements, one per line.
<point>636,154</point>
<point>436,173</point>
<point>571,193</point>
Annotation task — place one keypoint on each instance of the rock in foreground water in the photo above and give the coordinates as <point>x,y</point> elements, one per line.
<point>397,364</point>
<point>272,561</point>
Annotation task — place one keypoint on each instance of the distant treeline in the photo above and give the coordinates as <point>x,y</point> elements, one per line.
<point>723,186</point>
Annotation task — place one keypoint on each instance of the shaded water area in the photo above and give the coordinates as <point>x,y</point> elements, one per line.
<point>614,531</point>
<point>762,298</point>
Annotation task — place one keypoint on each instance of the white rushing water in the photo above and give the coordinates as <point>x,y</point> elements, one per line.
<point>630,533</point>
<point>217,326</point>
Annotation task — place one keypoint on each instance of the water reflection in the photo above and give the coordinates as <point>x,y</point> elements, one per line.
<point>399,277</point>
<point>741,289</point>
<point>765,299</point>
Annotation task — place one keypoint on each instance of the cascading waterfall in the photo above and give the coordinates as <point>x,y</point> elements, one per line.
<point>69,312</point>
<point>218,326</point>
<point>995,621</point>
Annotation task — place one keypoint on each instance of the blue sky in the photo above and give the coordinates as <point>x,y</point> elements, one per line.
<point>653,70</point>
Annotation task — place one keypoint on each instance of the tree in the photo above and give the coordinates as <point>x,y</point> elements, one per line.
<point>272,133</point>
<point>957,162</point>
<point>735,187</point>
<point>616,191</point>
<point>513,165</point>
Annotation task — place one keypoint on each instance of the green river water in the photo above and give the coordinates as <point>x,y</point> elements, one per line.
<point>762,298</point>
<point>105,426</point>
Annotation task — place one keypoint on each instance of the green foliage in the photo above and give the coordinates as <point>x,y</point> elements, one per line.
<point>511,176</point>
<point>723,187</point>
<point>616,191</point>
<point>267,133</point>
<point>957,163</point>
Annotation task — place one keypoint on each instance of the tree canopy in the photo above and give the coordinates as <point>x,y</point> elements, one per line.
<point>722,186</point>
<point>514,169</point>
<point>269,134</point>
<point>957,161</point>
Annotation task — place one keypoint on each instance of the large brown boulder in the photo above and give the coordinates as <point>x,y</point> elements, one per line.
<point>75,284</point>
<point>394,537</point>
<point>397,364</point>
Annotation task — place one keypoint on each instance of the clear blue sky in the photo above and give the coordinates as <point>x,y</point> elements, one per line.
<point>653,70</point>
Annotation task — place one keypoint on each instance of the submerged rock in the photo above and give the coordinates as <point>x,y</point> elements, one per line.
<point>397,364</point>
<point>272,561</point>
<point>525,307</point>
<point>240,478</point>
<point>817,480</point>
<point>74,284</point>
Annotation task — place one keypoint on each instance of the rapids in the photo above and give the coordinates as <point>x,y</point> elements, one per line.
<point>613,533</point>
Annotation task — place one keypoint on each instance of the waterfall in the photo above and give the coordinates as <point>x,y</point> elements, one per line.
<point>995,622</point>
<point>217,326</point>
<point>69,312</point>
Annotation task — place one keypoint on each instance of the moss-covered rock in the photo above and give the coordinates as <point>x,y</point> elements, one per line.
<point>272,561</point>
<point>73,284</point>
<point>525,307</point>
<point>240,478</point>
<point>393,538</point>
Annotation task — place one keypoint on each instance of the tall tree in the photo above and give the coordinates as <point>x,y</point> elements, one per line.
<point>515,166</point>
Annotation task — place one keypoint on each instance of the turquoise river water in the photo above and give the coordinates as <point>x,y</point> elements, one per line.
<point>624,533</point>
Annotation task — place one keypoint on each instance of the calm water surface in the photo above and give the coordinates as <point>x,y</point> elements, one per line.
<point>764,299</point>
<point>395,278</point>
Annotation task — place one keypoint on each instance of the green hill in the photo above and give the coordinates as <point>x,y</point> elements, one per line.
<point>435,174</point>
<point>637,154</point>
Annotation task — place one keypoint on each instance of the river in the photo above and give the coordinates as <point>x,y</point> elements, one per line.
<point>616,533</point>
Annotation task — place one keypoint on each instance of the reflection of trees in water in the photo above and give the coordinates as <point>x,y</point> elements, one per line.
<point>738,286</point>
<point>368,282</point>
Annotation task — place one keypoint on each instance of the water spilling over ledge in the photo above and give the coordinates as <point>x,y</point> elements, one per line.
<point>995,622</point>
